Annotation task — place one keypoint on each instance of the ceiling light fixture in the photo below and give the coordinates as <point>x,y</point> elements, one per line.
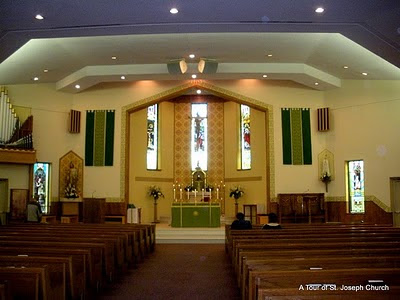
<point>45,70</point>
<point>265,76</point>
<point>316,83</point>
<point>192,55</point>
<point>123,77</point>
<point>77,86</point>
<point>364,73</point>
<point>269,55</point>
<point>113,57</point>
<point>320,10</point>
<point>173,10</point>
<point>39,17</point>
<point>345,67</point>
<point>35,78</point>
<point>194,76</point>
<point>198,92</point>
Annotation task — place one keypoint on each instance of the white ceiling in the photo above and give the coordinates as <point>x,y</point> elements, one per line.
<point>305,58</point>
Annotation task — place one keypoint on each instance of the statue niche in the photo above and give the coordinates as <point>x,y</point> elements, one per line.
<point>199,179</point>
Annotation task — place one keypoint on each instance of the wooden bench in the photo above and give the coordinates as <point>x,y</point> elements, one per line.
<point>255,269</point>
<point>34,283</point>
<point>346,277</point>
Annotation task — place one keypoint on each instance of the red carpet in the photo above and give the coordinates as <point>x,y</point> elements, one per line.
<point>178,271</point>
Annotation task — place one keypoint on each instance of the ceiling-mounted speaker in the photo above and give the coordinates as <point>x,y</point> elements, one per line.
<point>177,67</point>
<point>208,66</point>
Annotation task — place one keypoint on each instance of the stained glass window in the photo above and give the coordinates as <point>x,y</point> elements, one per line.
<point>199,144</point>
<point>355,174</point>
<point>41,178</point>
<point>152,137</point>
<point>245,144</point>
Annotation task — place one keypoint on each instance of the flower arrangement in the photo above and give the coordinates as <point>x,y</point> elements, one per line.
<point>236,193</point>
<point>70,191</point>
<point>155,192</point>
<point>325,177</point>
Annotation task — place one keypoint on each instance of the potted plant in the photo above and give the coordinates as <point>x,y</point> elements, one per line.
<point>155,193</point>
<point>236,193</point>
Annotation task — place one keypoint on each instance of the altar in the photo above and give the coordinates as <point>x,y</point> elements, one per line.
<point>195,214</point>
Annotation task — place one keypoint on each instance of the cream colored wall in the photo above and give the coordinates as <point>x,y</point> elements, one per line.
<point>255,191</point>
<point>18,178</point>
<point>366,126</point>
<point>141,178</point>
<point>50,110</point>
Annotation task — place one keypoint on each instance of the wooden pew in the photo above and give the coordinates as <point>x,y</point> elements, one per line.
<point>5,293</point>
<point>34,283</point>
<point>327,293</point>
<point>58,264</point>
<point>94,255</point>
<point>254,269</point>
<point>78,258</point>
<point>345,277</point>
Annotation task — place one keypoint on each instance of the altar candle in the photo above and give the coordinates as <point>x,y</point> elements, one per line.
<point>210,194</point>
<point>217,193</point>
<point>174,194</point>
<point>180,193</point>
<point>188,195</point>
<point>195,193</point>
<point>202,194</point>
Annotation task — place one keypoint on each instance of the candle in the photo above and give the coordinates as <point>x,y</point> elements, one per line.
<point>217,193</point>
<point>174,194</point>
<point>210,194</point>
<point>202,194</point>
<point>195,193</point>
<point>188,195</point>
<point>180,193</point>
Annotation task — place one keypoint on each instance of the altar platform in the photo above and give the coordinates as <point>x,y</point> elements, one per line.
<point>165,234</point>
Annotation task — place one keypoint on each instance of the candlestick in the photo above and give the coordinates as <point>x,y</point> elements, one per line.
<point>180,194</point>
<point>188,195</point>
<point>174,194</point>
<point>195,193</point>
<point>202,194</point>
<point>210,194</point>
<point>217,194</point>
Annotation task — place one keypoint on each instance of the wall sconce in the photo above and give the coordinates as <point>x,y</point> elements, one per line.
<point>177,67</point>
<point>207,66</point>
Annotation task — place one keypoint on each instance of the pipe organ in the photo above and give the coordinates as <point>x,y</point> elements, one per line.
<point>13,134</point>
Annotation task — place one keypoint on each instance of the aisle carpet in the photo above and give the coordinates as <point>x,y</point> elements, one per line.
<point>178,271</point>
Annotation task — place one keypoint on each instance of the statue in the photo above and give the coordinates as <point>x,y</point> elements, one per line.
<point>72,179</point>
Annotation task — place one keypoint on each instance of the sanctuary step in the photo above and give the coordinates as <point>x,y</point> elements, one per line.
<point>168,235</point>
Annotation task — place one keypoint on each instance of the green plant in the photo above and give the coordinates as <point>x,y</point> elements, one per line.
<point>155,192</point>
<point>236,192</point>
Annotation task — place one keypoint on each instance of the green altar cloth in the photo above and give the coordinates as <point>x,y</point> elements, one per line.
<point>198,214</point>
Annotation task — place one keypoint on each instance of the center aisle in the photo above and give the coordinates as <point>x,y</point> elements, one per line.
<point>179,271</point>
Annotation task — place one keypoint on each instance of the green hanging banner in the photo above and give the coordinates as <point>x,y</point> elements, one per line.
<point>99,143</point>
<point>296,136</point>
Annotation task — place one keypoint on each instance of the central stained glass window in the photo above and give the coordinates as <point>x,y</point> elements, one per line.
<point>245,145</point>
<point>199,144</point>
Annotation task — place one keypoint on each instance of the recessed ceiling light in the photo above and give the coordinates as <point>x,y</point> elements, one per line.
<point>198,92</point>
<point>45,70</point>
<point>316,83</point>
<point>173,11</point>
<point>113,57</point>
<point>265,76</point>
<point>269,55</point>
<point>35,78</point>
<point>319,10</point>
<point>77,86</point>
<point>39,17</point>
<point>123,77</point>
<point>364,73</point>
<point>194,76</point>
<point>192,55</point>
<point>345,67</point>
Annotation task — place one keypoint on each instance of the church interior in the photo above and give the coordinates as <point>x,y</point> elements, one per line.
<point>145,123</point>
